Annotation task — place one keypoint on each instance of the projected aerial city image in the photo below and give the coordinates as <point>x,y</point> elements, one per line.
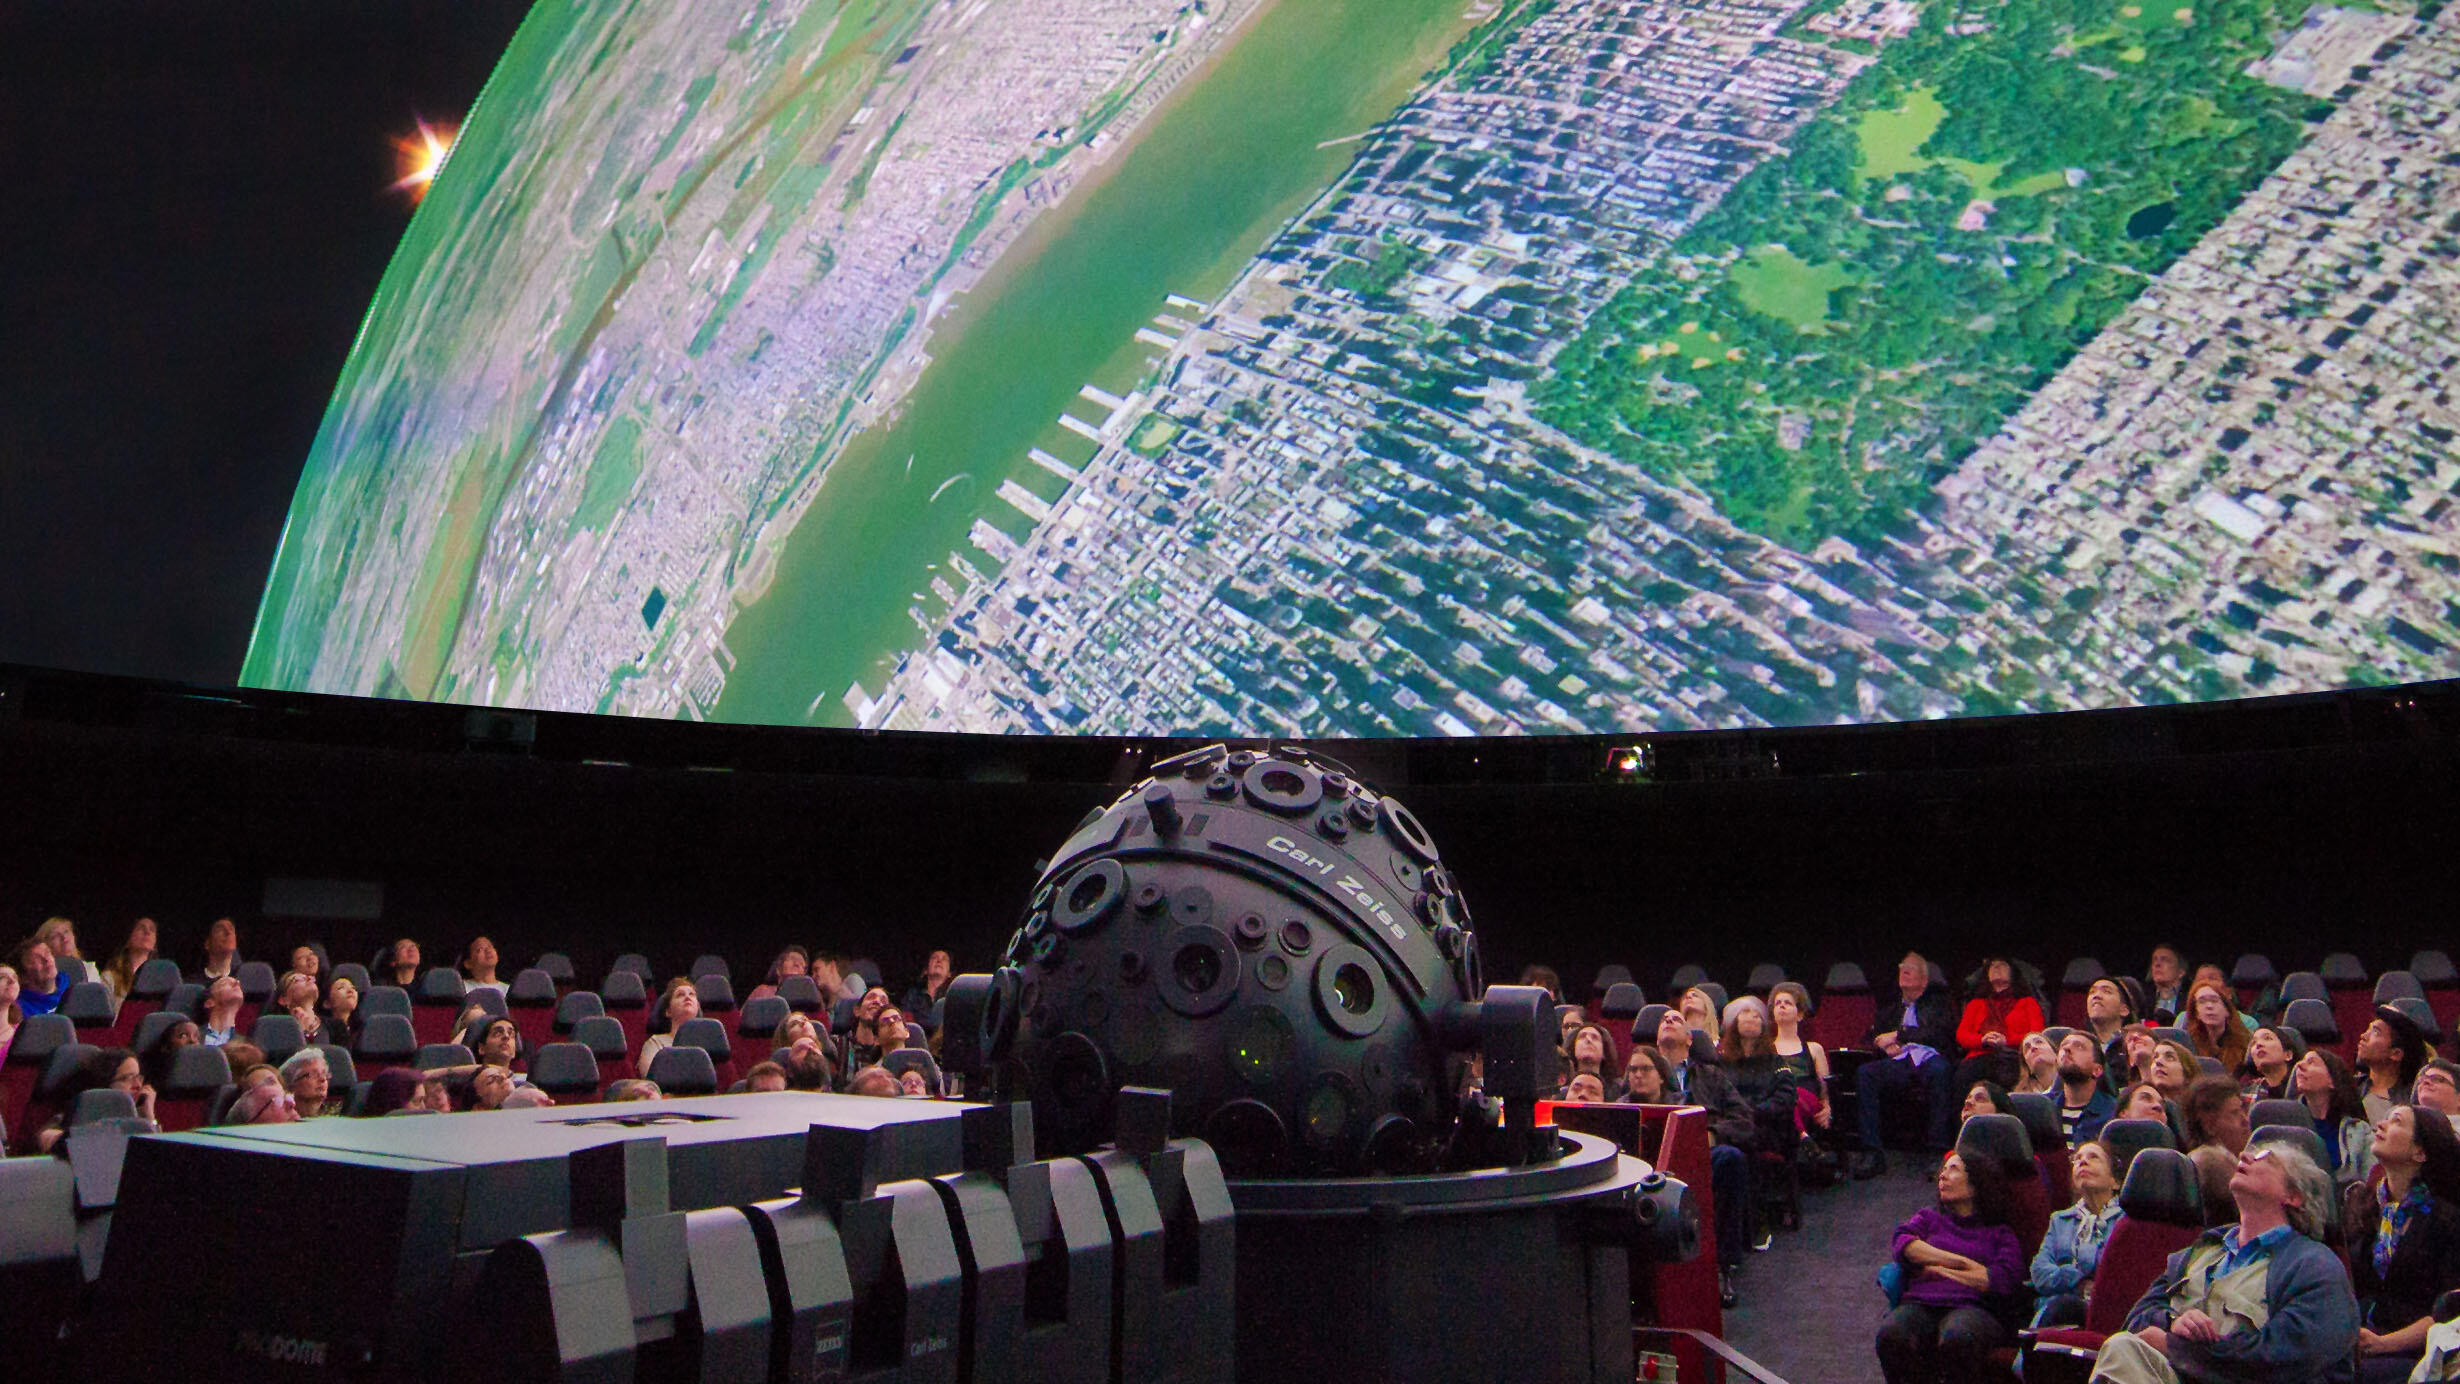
<point>1406,367</point>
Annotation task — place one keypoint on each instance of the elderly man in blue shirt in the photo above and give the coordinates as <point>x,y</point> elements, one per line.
<point>2259,1302</point>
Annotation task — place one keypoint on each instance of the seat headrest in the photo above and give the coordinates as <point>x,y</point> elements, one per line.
<point>1715,992</point>
<point>634,962</point>
<point>345,1073</point>
<point>2421,1014</point>
<point>602,1035</point>
<point>2314,1021</point>
<point>2433,967</point>
<point>762,1016</point>
<point>1845,976</point>
<point>1644,1024</point>
<point>489,999</point>
<point>624,990</point>
<point>709,964</point>
<point>1999,1138</point>
<point>532,989</point>
<point>255,981</point>
<point>1688,974</point>
<point>353,972</point>
<point>2254,968</point>
<point>2211,1066</point>
<point>432,1056</point>
<point>62,1069</point>
<point>2081,973</point>
<point>440,985</point>
<point>683,1071</point>
<point>558,967</point>
<point>2057,1034</point>
<point>2127,1138</point>
<point>577,1005</point>
<point>2292,1113</point>
<point>277,1034</point>
<point>88,1005</point>
<point>102,1103</point>
<point>562,1068</point>
<point>155,980</point>
<point>197,1070</point>
<point>801,994</point>
<point>2393,985</point>
<point>2162,1186</point>
<point>39,1037</point>
<point>902,1060</point>
<point>2040,1114</point>
<point>2303,1138</point>
<point>387,1038</point>
<point>706,1034</point>
<point>151,1028</point>
<point>1762,976</point>
<point>2303,985</point>
<point>2342,968</point>
<point>1610,975</point>
<point>187,997</point>
<point>384,999</point>
<point>716,992</point>
<point>1622,1001</point>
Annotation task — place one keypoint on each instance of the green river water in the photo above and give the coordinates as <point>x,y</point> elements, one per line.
<point>1223,166</point>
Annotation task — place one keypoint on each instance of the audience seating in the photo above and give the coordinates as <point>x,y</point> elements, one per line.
<point>2040,1115</point>
<point>904,1060</point>
<point>2251,976</point>
<point>2421,1014</point>
<point>490,1001</point>
<point>559,969</point>
<point>572,1008</point>
<point>759,1018</point>
<point>2304,985</point>
<point>88,1006</point>
<point>637,964</point>
<point>717,1001</point>
<point>2164,1209</point>
<point>30,1052</point>
<point>187,999</point>
<point>278,1035</point>
<point>531,1002</point>
<point>1845,1009</point>
<point>151,1028</point>
<point>2127,1138</point>
<point>355,973</point>
<point>385,1041</point>
<point>2074,982</point>
<point>2002,1140</point>
<point>100,1104</point>
<point>710,1037</point>
<point>154,982</point>
<point>385,999</point>
<point>606,1042</point>
<point>436,1056</point>
<point>51,1087</point>
<point>565,1070</point>
<point>345,1072</point>
<point>627,1002</point>
<point>2314,1021</point>
<point>1763,978</point>
<point>2291,1113</point>
<point>255,982</point>
<point>801,994</point>
<point>197,1072</point>
<point>2345,980</point>
<point>709,964</point>
<point>2397,985</point>
<point>841,1017</point>
<point>2434,970</point>
<point>1608,977</point>
<point>435,1007</point>
<point>683,1071</point>
<point>1687,975</point>
<point>1622,1003</point>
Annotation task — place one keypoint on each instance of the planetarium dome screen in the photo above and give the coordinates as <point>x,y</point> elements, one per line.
<point>1405,367</point>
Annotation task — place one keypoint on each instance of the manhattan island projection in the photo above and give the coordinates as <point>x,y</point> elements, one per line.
<point>1358,367</point>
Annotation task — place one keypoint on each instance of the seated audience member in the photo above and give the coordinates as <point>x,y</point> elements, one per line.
<point>1956,1257</point>
<point>220,1017</point>
<point>765,1076</point>
<point>680,1001</point>
<point>2143,1101</point>
<point>2404,1242</point>
<point>1788,1005</point>
<point>634,1088</point>
<point>488,1085</point>
<point>341,1024</point>
<point>1648,1079</point>
<point>2085,1102</point>
<point>120,972</point>
<point>914,1085</point>
<point>11,1015</point>
<point>2258,1302</point>
<point>494,1040</point>
<point>401,965</point>
<point>2271,1050</point>
<point>1568,1017</point>
<point>2170,1067</point>
<point>60,935</point>
<point>1985,1098</point>
<point>1997,1016</point>
<point>1588,1049</point>
<point>1699,1009</point>
<point>1766,1085</point>
<point>2165,988</point>
<point>40,983</point>
<point>264,1103</point>
<point>2333,1098</point>
<point>938,969</point>
<point>828,975</point>
<point>1915,1033</point>
<point>295,995</point>
<point>1584,1087</point>
<point>258,1073</point>
<point>2389,1053</point>
<point>308,961</point>
<point>116,1068</point>
<point>1732,1132</point>
<point>2062,1276</point>
<point>807,1067</point>
<point>2213,1027</point>
<point>875,1081</point>
<point>394,1088</point>
<point>527,1098</point>
<point>2110,1005</point>
<point>221,956</point>
<point>2215,1115</point>
<point>1544,978</point>
<point>245,1056</point>
<point>478,965</point>
<point>309,1079</point>
<point>793,961</point>
<point>2438,1089</point>
<point>2139,1045</point>
<point>2038,1059</point>
<point>436,1092</point>
<point>883,1033</point>
<point>157,1058</point>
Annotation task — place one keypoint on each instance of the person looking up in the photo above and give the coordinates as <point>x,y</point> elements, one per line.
<point>2337,1104</point>
<point>2213,1027</point>
<point>1732,1132</point>
<point>2040,1059</point>
<point>792,961</point>
<point>2062,1272</point>
<point>2389,1053</point>
<point>2214,1112</point>
<point>1985,1098</point>
<point>495,1041</point>
<point>221,956</point>
<point>2165,985</point>
<point>478,966</point>
<point>306,960</point>
<point>875,1081</point>
<point>1748,1052</point>
<point>1699,1008</point>
<point>765,1076</point>
<point>807,1067</point>
<point>2258,1300</point>
<point>2270,1052</point>
<point>1956,1256</point>
<point>157,1058</point>
<point>2108,1009</point>
<point>220,1021</point>
<point>1589,1049</point>
<point>2170,1067</point>
<point>2404,1249</point>
<point>2085,1102</point>
<point>12,1014</point>
<point>679,1002</point>
<point>1583,1088</point>
<point>1788,1005</point>
<point>401,965</point>
<point>341,1017</point>
<point>120,972</point>
<point>41,985</point>
<point>938,969</point>
<point>1915,1033</point>
<point>1997,1017</point>
<point>295,994</point>
<point>2438,1089</point>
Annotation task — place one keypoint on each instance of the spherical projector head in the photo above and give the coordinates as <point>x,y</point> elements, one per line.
<point>1263,935</point>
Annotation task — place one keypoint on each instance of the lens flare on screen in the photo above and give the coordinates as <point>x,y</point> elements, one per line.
<point>419,156</point>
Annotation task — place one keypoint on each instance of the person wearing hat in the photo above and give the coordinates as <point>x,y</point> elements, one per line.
<point>2270,1054</point>
<point>2390,1050</point>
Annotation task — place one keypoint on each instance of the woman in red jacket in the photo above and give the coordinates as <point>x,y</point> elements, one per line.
<point>1995,1023</point>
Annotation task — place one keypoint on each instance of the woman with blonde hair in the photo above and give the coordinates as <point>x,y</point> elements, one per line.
<point>1699,1009</point>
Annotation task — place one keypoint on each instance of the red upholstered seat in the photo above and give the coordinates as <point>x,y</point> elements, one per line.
<point>2164,1209</point>
<point>1675,1140</point>
<point>1845,1008</point>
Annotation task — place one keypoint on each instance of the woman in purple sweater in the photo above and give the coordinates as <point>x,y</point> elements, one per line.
<point>1957,1257</point>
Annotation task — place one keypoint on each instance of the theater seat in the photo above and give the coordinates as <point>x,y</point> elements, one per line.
<point>904,1060</point>
<point>575,1006</point>
<point>559,968</point>
<point>197,1072</point>
<point>255,982</point>
<point>2421,1014</point>
<point>801,994</point>
<point>2002,1140</point>
<point>841,1017</point>
<point>1685,976</point>
<point>186,999</point>
<point>2304,985</point>
<point>2292,1113</point>
<point>437,1056</point>
<point>436,1005</point>
<point>489,1001</point>
<point>2040,1115</point>
<point>30,1052</point>
<point>627,1002</point>
<point>51,1087</point>
<point>355,973</point>
<point>155,980</point>
<point>2314,1021</point>
<point>759,1018</point>
<point>2074,981</point>
<point>278,1035</point>
<point>1763,976</point>
<point>151,1030</point>
<point>88,1006</point>
<point>1615,1013</point>
<point>1608,976</point>
<point>2250,976</point>
<point>635,963</point>
<point>681,1071</point>
<point>606,1043</point>
<point>385,999</point>
<point>2127,1138</point>
<point>717,1002</point>
<point>710,1037</point>
<point>385,1041</point>
<point>1845,1009</point>
<point>101,1103</point>
<point>531,1003</point>
<point>2171,1033</point>
<point>565,1069</point>
<point>2395,985</point>
<point>344,1070</point>
<point>2434,970</point>
<point>709,964</point>
<point>2163,1202</point>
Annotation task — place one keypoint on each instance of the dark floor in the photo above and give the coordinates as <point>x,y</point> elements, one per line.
<point>1809,1306</point>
